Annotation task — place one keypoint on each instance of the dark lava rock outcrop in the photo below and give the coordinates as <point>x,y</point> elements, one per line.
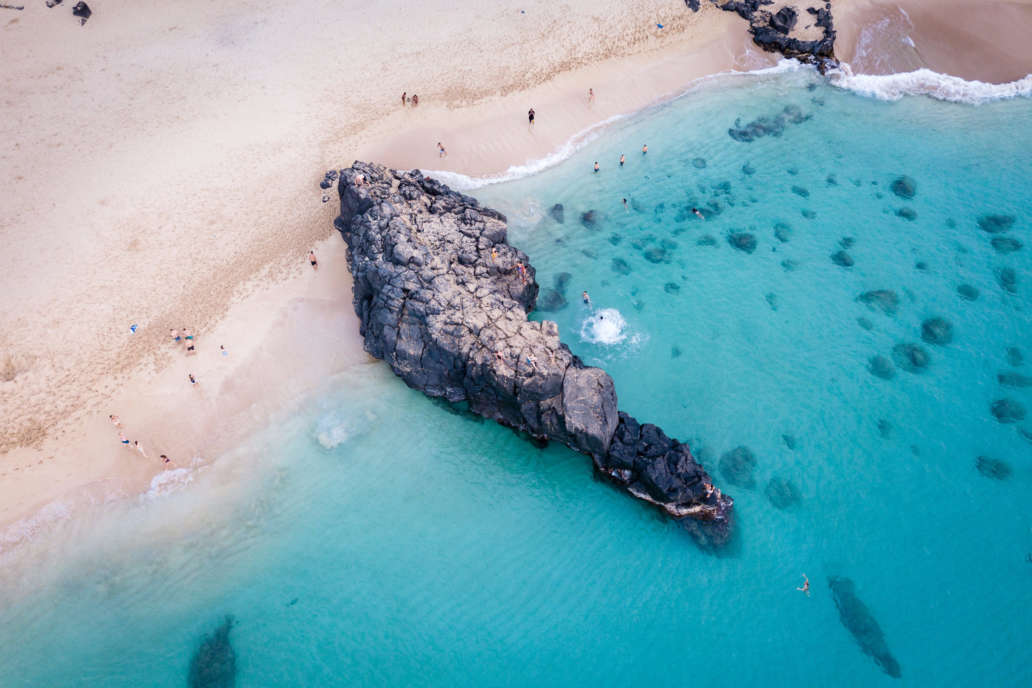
<point>443,299</point>
<point>774,31</point>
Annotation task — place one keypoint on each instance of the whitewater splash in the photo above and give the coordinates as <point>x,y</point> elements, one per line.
<point>334,429</point>
<point>925,82</point>
<point>167,482</point>
<point>606,326</point>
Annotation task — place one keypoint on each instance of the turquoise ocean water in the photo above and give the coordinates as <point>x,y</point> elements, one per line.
<point>374,538</point>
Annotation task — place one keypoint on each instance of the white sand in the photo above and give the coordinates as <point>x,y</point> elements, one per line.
<point>160,167</point>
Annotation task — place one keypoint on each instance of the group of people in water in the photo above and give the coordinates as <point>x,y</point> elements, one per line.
<point>623,160</point>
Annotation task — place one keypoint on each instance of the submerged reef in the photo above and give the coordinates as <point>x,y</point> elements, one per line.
<point>214,663</point>
<point>443,298</point>
<point>859,621</point>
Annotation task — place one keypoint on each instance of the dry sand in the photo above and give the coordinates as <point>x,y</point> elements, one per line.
<point>160,168</point>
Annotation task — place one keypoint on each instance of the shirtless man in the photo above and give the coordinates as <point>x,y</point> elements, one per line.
<point>698,214</point>
<point>586,299</point>
<point>806,586</point>
<point>644,149</point>
<point>312,260</point>
<point>622,159</point>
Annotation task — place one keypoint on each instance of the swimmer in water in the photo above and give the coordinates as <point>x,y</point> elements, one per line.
<point>625,204</point>
<point>644,148</point>
<point>596,165</point>
<point>698,214</point>
<point>586,298</point>
<point>621,159</point>
<point>806,586</point>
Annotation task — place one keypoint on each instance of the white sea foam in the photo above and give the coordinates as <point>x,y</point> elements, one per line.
<point>334,429</point>
<point>925,82</point>
<point>462,182</point>
<point>167,482</point>
<point>605,326</point>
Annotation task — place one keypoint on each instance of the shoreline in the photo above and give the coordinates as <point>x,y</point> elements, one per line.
<point>236,249</point>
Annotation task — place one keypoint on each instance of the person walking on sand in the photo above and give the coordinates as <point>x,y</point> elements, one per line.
<point>193,380</point>
<point>222,350</point>
<point>806,586</point>
<point>115,420</point>
<point>139,448</point>
<point>415,100</point>
<point>622,159</point>
<point>312,260</point>
<point>596,165</point>
<point>404,98</point>
<point>441,153</point>
<point>530,116</point>
<point>591,95</point>
<point>644,148</point>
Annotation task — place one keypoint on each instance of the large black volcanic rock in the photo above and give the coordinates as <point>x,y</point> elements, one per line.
<point>443,298</point>
<point>773,32</point>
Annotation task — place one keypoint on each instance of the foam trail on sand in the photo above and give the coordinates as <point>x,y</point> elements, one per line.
<point>925,82</point>
<point>462,182</point>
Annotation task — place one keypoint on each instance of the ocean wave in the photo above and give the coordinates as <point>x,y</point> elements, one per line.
<point>167,482</point>
<point>462,182</point>
<point>925,82</point>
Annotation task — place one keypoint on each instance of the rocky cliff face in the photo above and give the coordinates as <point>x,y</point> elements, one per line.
<point>443,298</point>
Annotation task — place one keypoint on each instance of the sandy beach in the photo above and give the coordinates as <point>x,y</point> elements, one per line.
<point>161,169</point>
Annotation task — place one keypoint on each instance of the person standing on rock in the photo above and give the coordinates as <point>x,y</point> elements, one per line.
<point>530,116</point>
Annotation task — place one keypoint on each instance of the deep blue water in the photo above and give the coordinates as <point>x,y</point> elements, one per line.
<point>373,538</point>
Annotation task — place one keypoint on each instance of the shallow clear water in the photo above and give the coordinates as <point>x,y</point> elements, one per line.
<point>373,538</point>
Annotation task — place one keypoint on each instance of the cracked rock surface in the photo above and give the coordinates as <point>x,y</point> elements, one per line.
<point>443,299</point>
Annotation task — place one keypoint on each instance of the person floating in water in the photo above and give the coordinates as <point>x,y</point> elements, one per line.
<point>806,586</point>
<point>698,213</point>
<point>625,204</point>
<point>644,148</point>
<point>622,160</point>
<point>596,165</point>
<point>586,299</point>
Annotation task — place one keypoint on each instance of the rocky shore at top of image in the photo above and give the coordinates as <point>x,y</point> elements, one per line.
<point>777,27</point>
<point>443,298</point>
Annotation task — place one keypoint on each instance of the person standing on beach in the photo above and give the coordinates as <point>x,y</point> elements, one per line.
<point>193,380</point>
<point>312,260</point>
<point>415,100</point>
<point>441,153</point>
<point>591,95</point>
<point>644,148</point>
<point>404,98</point>
<point>596,165</point>
<point>530,116</point>
<point>622,160</point>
